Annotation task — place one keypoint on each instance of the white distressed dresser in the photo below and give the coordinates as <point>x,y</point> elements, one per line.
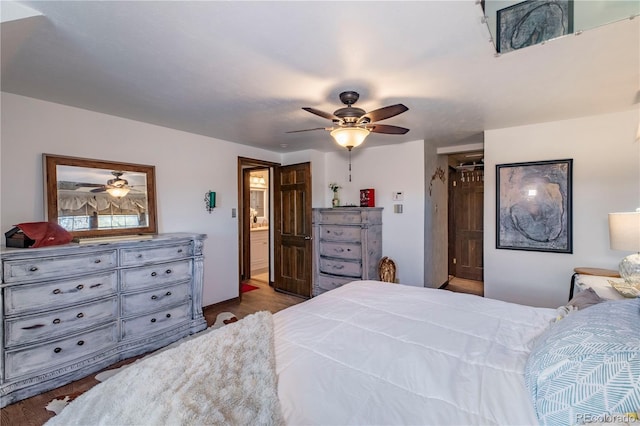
<point>347,246</point>
<point>71,310</point>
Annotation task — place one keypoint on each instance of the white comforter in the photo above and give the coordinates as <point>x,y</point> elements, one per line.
<point>379,353</point>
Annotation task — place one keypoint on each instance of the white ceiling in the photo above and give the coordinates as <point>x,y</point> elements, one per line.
<point>241,71</point>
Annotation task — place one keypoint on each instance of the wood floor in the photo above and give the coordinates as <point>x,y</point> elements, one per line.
<point>462,285</point>
<point>31,411</point>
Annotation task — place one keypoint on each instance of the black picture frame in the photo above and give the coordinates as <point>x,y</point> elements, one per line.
<point>532,22</point>
<point>534,206</point>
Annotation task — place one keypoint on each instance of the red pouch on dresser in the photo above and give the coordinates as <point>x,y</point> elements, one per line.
<point>45,233</point>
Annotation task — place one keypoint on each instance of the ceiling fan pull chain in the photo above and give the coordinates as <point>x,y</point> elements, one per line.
<point>349,165</point>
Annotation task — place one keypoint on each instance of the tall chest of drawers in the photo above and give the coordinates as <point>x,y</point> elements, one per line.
<point>71,310</point>
<point>347,246</point>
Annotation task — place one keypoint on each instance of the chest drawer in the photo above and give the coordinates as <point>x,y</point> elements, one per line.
<point>64,321</point>
<point>325,283</point>
<point>340,267</point>
<point>56,267</point>
<point>156,275</point>
<point>136,256</point>
<point>56,353</point>
<point>57,294</point>
<point>157,298</point>
<point>146,325</point>
<point>341,250</point>
<point>339,233</point>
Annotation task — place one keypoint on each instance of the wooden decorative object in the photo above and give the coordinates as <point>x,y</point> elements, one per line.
<point>387,270</point>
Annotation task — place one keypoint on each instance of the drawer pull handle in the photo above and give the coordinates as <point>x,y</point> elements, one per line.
<point>168,293</point>
<point>80,286</point>
<point>153,320</point>
<point>139,256</point>
<point>168,315</point>
<point>154,297</point>
<point>97,261</point>
<point>57,350</point>
<point>168,271</point>
<point>338,267</point>
<point>33,268</point>
<point>153,274</point>
<point>95,285</point>
<point>80,315</point>
<point>57,291</point>
<point>56,321</point>
<point>33,327</point>
<point>80,342</point>
<point>180,251</point>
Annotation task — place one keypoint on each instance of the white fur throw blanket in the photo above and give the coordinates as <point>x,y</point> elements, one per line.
<point>224,377</point>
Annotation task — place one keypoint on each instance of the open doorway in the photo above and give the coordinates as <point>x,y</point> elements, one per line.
<point>255,220</point>
<point>465,222</point>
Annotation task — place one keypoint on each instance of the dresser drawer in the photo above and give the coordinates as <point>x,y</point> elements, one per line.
<point>325,283</point>
<point>339,233</point>
<point>138,256</point>
<point>57,267</point>
<point>341,250</point>
<point>155,275</point>
<point>57,294</point>
<point>28,329</point>
<point>56,353</point>
<point>340,267</point>
<point>147,325</point>
<point>157,298</point>
<point>340,216</point>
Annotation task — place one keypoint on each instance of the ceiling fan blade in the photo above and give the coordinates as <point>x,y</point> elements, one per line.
<point>385,128</point>
<point>322,114</point>
<point>306,130</point>
<point>99,189</point>
<point>88,185</point>
<point>383,113</point>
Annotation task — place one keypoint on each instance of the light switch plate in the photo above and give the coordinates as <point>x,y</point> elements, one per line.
<point>398,196</point>
<point>397,208</point>
<point>233,212</point>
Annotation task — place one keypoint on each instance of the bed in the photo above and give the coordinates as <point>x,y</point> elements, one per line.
<point>378,353</point>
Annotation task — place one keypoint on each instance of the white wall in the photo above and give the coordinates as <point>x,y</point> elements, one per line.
<point>606,178</point>
<point>386,169</point>
<point>187,166</point>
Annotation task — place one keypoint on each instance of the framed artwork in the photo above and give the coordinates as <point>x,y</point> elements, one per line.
<point>534,206</point>
<point>532,22</point>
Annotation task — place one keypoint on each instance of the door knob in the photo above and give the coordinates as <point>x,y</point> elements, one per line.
<point>306,237</point>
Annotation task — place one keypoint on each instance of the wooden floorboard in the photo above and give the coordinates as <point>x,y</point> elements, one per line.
<point>32,412</point>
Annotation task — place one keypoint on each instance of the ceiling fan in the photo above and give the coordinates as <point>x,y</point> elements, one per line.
<point>351,125</point>
<point>117,187</point>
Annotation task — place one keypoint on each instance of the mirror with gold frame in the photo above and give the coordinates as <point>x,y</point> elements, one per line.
<point>97,198</point>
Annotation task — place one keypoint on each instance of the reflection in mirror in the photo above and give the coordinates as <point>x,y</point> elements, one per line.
<point>585,15</point>
<point>259,197</point>
<point>98,198</point>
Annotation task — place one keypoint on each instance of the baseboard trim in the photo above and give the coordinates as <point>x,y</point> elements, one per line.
<point>443,286</point>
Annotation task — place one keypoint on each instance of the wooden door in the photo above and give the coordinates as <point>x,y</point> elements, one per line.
<point>468,205</point>
<point>293,250</point>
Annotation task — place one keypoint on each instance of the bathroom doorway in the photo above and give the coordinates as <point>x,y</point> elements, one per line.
<point>259,224</point>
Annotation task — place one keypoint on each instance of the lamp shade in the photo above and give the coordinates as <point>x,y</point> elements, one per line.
<point>349,137</point>
<point>118,192</point>
<point>624,231</point>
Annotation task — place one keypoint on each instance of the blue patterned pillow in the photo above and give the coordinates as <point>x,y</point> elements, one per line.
<point>587,366</point>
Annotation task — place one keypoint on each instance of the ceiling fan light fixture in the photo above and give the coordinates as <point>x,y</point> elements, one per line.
<point>349,137</point>
<point>118,192</point>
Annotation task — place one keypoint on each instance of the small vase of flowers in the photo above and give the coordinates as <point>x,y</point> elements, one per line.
<point>335,202</point>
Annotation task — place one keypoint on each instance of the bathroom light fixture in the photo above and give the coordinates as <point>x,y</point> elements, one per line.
<point>624,234</point>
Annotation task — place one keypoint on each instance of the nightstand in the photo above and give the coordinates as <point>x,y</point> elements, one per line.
<point>597,279</point>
